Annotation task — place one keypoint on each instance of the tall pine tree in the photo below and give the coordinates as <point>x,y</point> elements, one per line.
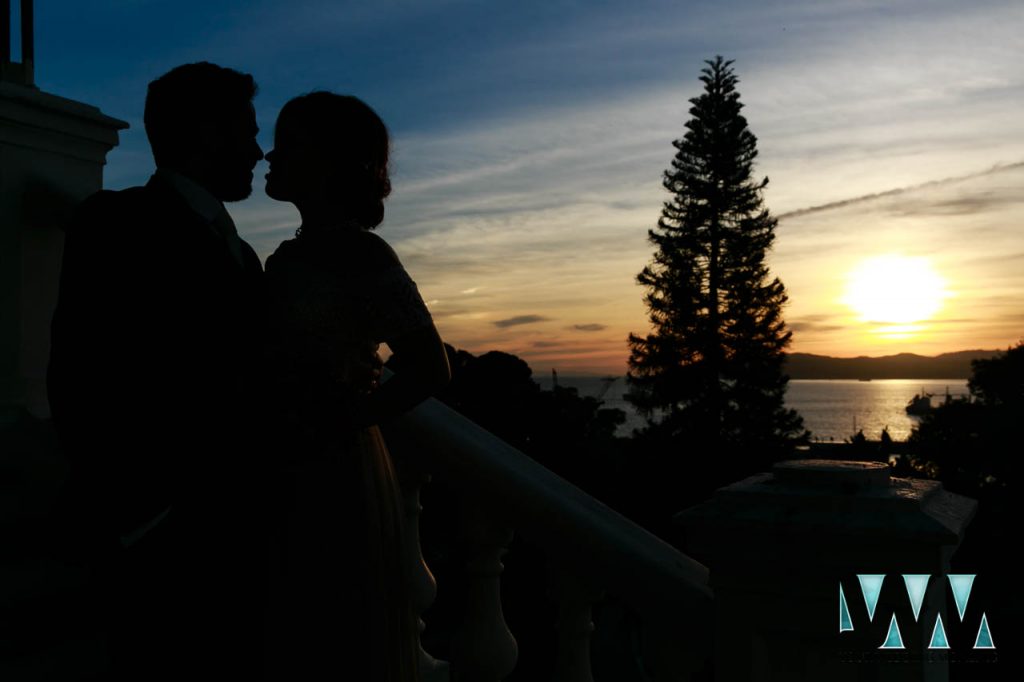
<point>709,375</point>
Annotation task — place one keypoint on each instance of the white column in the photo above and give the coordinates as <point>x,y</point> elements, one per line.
<point>424,587</point>
<point>668,648</point>
<point>483,648</point>
<point>52,152</point>
<point>574,625</point>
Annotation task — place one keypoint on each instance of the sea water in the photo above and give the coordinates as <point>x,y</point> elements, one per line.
<point>832,410</point>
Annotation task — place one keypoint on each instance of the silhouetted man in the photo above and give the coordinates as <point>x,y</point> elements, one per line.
<point>154,351</point>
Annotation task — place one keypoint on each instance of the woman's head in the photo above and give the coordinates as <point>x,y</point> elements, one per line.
<point>331,151</point>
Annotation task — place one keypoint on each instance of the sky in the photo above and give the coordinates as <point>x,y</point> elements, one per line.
<point>530,138</point>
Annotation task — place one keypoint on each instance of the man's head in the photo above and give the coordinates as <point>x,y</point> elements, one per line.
<point>200,121</point>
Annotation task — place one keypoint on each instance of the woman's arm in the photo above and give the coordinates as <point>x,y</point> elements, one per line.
<point>424,372</point>
<point>398,316</point>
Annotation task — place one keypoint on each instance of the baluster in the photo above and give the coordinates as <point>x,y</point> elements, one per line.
<point>424,586</point>
<point>669,645</point>
<point>574,625</point>
<point>483,648</point>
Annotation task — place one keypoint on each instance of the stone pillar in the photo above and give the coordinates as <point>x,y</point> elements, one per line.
<point>424,587</point>
<point>778,546</point>
<point>52,152</point>
<point>483,649</point>
<point>575,625</point>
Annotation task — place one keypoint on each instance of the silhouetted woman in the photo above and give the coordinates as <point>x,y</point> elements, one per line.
<point>341,605</point>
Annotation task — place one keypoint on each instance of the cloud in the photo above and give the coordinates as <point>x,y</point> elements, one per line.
<point>960,205</point>
<point>547,344</point>
<point>951,322</point>
<point>1008,264</point>
<point>592,327</point>
<point>518,320</point>
<point>804,325</point>
<point>449,312</point>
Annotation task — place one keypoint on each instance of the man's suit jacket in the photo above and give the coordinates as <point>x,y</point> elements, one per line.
<point>154,343</point>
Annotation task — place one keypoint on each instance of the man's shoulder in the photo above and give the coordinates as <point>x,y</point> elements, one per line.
<point>105,200</point>
<point>117,210</point>
<point>106,204</point>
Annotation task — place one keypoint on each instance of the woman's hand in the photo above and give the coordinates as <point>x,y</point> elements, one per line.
<point>365,372</point>
<point>424,372</point>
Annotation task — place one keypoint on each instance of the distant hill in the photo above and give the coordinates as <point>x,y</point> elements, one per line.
<point>902,366</point>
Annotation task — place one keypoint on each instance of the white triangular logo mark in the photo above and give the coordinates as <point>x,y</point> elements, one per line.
<point>845,622</point>
<point>984,638</point>
<point>939,640</point>
<point>871,587</point>
<point>917,585</point>
<point>961,585</point>
<point>893,640</point>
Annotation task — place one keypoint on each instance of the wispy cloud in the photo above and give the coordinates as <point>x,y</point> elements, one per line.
<point>815,323</point>
<point>518,320</point>
<point>970,204</point>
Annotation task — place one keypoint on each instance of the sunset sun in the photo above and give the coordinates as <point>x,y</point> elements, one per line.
<point>894,290</point>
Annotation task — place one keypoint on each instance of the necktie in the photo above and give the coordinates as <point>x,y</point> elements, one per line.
<point>225,227</point>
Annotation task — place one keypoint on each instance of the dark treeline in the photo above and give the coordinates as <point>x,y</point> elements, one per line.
<point>972,444</point>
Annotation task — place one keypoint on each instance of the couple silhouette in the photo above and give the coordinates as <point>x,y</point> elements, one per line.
<point>230,489</point>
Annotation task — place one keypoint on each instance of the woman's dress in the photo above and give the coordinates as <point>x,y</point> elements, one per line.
<point>340,605</point>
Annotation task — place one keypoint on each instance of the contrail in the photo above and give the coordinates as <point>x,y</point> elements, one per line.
<point>998,168</point>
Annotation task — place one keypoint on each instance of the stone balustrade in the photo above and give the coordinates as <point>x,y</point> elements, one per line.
<point>592,550</point>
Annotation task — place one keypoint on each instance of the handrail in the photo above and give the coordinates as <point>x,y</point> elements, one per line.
<point>599,544</point>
